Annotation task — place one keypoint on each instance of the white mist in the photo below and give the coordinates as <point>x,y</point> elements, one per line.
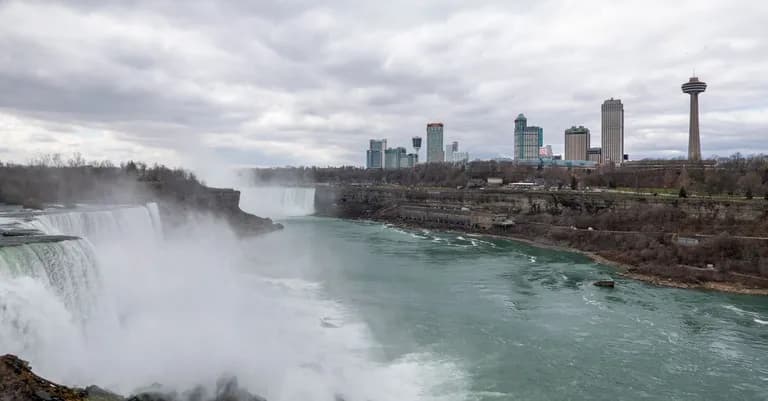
<point>185,309</point>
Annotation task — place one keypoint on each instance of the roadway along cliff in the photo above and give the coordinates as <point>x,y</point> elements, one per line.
<point>673,241</point>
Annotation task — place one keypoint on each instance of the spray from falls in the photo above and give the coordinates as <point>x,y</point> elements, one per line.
<point>278,202</point>
<point>67,268</point>
<point>127,306</point>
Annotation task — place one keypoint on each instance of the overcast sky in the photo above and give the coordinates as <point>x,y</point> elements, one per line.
<point>300,82</point>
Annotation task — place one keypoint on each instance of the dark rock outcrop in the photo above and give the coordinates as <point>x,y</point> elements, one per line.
<point>605,283</point>
<point>12,235</point>
<point>18,383</point>
<point>222,203</point>
<point>227,389</point>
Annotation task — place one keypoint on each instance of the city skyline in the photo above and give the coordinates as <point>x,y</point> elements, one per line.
<point>239,83</point>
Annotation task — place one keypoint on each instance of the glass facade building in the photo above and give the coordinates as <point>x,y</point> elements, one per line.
<point>612,131</point>
<point>435,153</point>
<point>375,153</point>
<point>527,139</point>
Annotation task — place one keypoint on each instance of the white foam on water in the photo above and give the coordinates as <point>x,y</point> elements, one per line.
<point>741,312</point>
<point>292,283</point>
<point>735,309</point>
<point>126,307</point>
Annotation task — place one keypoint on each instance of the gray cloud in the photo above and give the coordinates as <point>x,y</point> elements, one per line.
<point>297,82</point>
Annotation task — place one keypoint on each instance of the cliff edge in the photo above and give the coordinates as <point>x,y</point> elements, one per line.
<point>692,242</point>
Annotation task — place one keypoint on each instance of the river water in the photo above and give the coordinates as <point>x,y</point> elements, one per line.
<point>499,320</point>
<point>328,308</point>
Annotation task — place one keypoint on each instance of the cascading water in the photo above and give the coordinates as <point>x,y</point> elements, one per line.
<point>278,202</point>
<point>68,268</point>
<point>125,222</point>
<point>126,306</point>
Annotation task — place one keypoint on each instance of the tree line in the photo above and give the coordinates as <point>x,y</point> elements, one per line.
<point>54,179</point>
<point>736,175</point>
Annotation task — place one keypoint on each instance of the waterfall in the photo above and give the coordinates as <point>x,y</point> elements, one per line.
<point>68,268</point>
<point>278,202</point>
<point>64,276</point>
<point>53,300</point>
<point>126,306</point>
<point>113,223</point>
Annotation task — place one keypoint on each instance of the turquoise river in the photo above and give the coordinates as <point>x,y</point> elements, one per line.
<point>508,321</point>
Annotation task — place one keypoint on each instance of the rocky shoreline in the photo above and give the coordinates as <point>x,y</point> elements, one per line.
<point>624,270</point>
<point>19,383</point>
<point>685,243</point>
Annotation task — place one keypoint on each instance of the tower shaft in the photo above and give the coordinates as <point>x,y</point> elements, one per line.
<point>693,87</point>
<point>694,143</point>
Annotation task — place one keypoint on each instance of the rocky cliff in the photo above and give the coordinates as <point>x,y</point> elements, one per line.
<point>688,239</point>
<point>219,202</point>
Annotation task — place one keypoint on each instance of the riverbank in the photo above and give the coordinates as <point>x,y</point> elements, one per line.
<point>687,243</point>
<point>624,270</point>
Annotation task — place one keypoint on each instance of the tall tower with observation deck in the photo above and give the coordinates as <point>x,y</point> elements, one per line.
<point>693,87</point>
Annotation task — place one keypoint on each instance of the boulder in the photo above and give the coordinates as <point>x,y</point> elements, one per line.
<point>18,383</point>
<point>605,283</point>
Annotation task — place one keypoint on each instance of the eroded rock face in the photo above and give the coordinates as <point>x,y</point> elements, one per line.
<point>227,389</point>
<point>18,383</point>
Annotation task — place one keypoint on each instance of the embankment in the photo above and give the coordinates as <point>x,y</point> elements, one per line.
<point>691,242</point>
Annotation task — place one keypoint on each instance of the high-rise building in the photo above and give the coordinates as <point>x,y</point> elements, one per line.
<point>612,131</point>
<point>576,143</point>
<point>450,149</point>
<point>410,161</point>
<point>452,154</point>
<point>545,152</point>
<point>435,153</point>
<point>375,153</point>
<point>693,87</point>
<point>460,157</point>
<point>595,155</point>
<point>527,140</point>
<point>393,158</point>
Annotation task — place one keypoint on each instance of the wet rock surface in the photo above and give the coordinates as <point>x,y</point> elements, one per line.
<point>19,383</point>
<point>227,389</point>
<point>36,239</point>
<point>12,235</point>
